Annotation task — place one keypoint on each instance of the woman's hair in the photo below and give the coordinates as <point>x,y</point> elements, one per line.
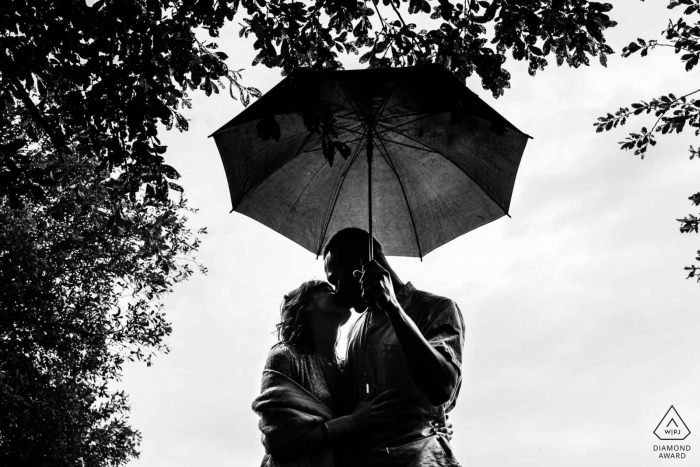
<point>294,328</point>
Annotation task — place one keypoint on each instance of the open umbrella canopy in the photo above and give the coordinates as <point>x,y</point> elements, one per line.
<point>442,162</point>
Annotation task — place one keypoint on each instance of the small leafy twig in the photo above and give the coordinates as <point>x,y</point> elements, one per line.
<point>685,111</point>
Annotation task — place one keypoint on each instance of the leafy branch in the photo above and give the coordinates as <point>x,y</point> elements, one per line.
<point>294,35</point>
<point>685,112</point>
<point>673,114</point>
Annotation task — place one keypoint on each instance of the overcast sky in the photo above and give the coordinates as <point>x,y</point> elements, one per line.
<point>581,328</point>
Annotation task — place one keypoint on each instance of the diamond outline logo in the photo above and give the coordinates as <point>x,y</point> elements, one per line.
<point>674,426</point>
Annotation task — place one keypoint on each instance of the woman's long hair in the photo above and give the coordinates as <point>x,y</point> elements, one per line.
<point>294,328</point>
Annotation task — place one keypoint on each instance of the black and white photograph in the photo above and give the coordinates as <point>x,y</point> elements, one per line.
<point>354,233</point>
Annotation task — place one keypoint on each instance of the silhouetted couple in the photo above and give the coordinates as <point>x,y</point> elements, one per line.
<point>401,376</point>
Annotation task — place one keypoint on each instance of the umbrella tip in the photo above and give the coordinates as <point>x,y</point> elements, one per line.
<point>509,215</point>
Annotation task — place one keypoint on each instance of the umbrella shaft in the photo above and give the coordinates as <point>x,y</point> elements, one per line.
<point>370,147</point>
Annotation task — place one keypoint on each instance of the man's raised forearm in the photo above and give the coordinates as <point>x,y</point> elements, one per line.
<point>434,375</point>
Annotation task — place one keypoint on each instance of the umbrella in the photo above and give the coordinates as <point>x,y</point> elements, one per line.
<point>425,160</point>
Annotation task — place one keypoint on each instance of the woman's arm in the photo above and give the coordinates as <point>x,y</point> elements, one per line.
<point>372,413</point>
<point>336,433</point>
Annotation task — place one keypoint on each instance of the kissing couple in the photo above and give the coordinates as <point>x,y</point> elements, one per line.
<point>386,404</point>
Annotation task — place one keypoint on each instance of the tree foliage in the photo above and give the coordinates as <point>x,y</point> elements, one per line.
<point>92,233</point>
<point>83,267</point>
<point>466,37</point>
<point>99,78</point>
<point>673,113</point>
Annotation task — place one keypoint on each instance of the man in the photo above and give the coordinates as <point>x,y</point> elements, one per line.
<point>407,340</point>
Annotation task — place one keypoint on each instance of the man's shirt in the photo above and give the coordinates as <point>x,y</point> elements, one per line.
<point>375,360</point>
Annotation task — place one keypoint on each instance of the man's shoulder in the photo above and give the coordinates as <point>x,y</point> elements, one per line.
<point>423,299</point>
<point>429,310</point>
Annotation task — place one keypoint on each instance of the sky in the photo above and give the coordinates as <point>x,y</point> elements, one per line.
<point>581,329</point>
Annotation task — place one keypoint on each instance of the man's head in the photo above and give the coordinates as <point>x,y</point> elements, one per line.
<point>346,252</point>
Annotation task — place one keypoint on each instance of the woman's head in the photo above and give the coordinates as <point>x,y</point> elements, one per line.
<point>311,307</point>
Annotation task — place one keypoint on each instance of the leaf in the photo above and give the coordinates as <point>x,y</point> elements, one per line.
<point>343,149</point>
<point>170,172</point>
<point>633,47</point>
<point>175,186</point>
<point>268,127</point>
<point>536,50</point>
<point>328,150</point>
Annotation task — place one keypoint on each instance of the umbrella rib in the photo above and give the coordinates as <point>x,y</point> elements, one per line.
<point>410,114</point>
<point>259,184</point>
<point>505,211</point>
<point>329,212</point>
<point>385,154</point>
<point>426,148</point>
<point>387,128</point>
<point>351,130</point>
<point>352,104</point>
<point>382,106</point>
<point>350,119</point>
<point>317,147</point>
<point>347,130</point>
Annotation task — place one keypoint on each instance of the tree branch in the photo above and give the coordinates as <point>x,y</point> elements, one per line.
<point>21,93</point>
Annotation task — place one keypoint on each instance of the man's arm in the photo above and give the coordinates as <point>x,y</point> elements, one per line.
<point>432,372</point>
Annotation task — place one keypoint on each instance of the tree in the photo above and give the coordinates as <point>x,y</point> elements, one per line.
<point>83,267</point>
<point>290,35</point>
<point>92,233</point>
<point>672,113</point>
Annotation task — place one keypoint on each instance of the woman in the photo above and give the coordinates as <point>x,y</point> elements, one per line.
<point>300,397</point>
